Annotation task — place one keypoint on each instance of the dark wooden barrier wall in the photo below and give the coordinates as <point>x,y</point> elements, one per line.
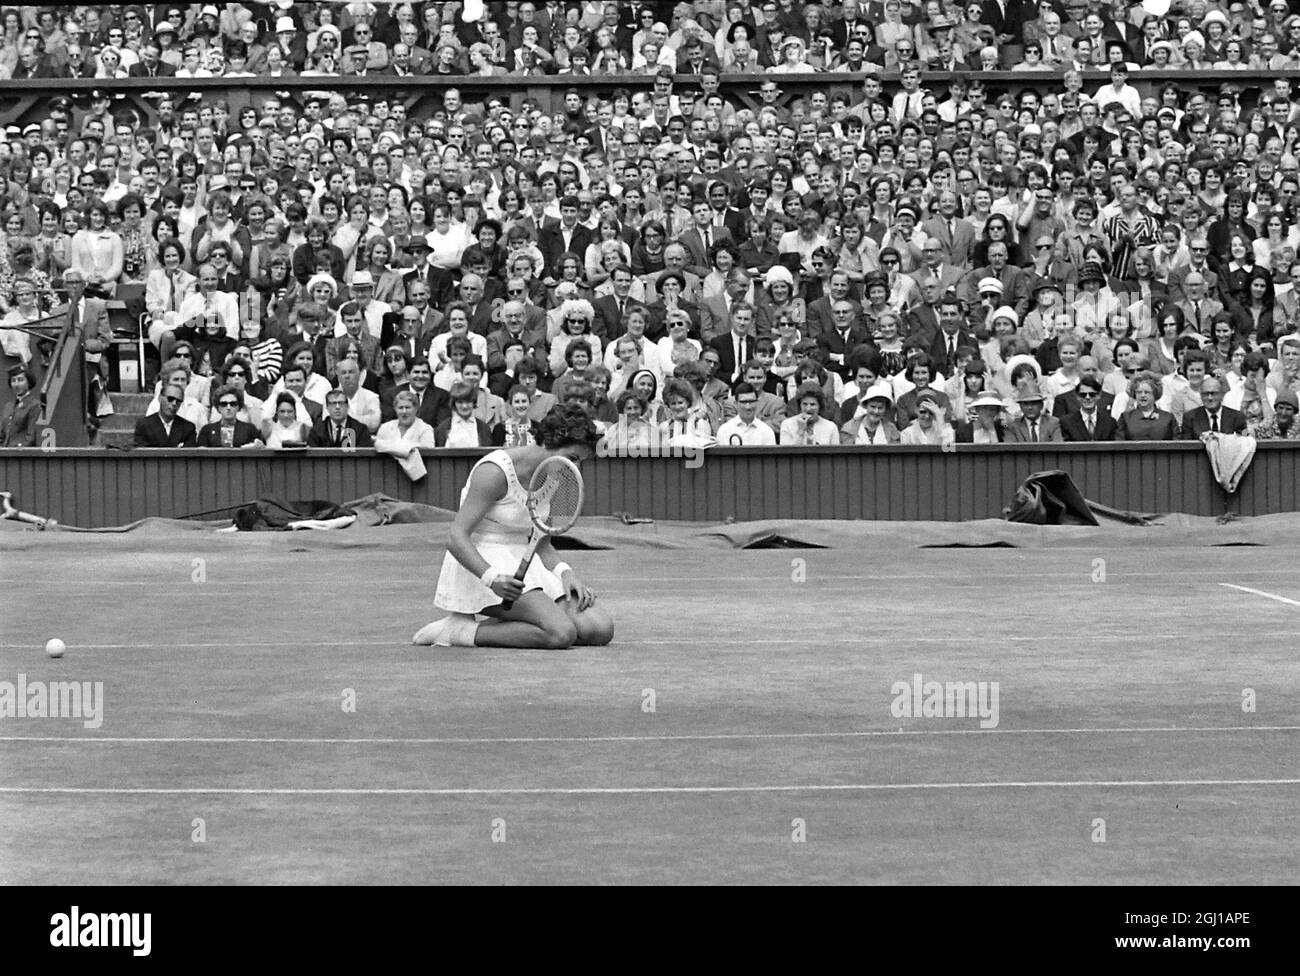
<point>95,488</point>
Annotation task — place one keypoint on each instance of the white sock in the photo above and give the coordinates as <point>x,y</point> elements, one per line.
<point>454,630</point>
<point>461,630</point>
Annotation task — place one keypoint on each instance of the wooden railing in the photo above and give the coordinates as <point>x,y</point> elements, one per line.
<point>91,487</point>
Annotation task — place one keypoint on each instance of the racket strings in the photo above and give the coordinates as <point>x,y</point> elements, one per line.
<point>558,501</point>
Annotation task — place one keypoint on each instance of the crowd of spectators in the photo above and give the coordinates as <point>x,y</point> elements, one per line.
<point>956,258</point>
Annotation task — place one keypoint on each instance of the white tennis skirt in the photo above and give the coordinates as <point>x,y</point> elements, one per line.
<point>460,591</point>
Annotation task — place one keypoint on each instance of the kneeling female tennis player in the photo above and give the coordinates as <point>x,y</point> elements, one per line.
<point>552,608</point>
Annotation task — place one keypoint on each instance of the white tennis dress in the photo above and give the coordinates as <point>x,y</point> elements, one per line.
<point>501,538</point>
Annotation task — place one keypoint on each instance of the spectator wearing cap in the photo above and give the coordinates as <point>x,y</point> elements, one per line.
<point>1283,424</point>
<point>363,35</point>
<point>1033,426</point>
<point>355,62</point>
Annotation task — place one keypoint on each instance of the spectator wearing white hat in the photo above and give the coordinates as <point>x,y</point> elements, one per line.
<point>987,427</point>
<point>291,42</point>
<point>372,311</point>
<point>869,424</point>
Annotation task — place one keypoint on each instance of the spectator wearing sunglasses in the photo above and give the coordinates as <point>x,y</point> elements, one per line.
<point>228,430</point>
<point>166,428</point>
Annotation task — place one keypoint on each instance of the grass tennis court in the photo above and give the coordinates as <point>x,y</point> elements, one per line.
<point>223,702</point>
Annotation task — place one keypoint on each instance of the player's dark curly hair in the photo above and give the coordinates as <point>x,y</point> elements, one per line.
<point>566,423</point>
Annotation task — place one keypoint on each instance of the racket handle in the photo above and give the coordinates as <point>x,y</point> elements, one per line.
<point>520,573</point>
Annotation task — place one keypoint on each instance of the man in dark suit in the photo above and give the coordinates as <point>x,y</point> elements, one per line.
<point>432,405</point>
<point>569,237</point>
<point>736,347</point>
<point>514,326</point>
<point>820,317</point>
<point>837,342</point>
<point>1005,17</point>
<point>1213,416</point>
<point>725,215</point>
<point>1091,421</point>
<point>32,64</point>
<point>151,64</point>
<point>956,237</point>
<point>1068,402</point>
<point>694,56</point>
<point>699,239</point>
<point>610,309</point>
<point>478,309</point>
<point>165,428</point>
<point>338,429</point>
<point>951,336</point>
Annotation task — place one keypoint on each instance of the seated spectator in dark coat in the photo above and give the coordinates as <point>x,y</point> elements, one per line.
<point>1146,421</point>
<point>229,430</point>
<point>165,428</point>
<point>337,429</point>
<point>1091,421</point>
<point>1212,416</point>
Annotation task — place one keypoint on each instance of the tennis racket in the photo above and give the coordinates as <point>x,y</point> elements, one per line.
<point>554,504</point>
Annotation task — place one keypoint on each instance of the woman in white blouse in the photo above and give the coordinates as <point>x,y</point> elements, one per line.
<point>808,427</point>
<point>285,429</point>
<point>677,347</point>
<point>407,432</point>
<point>447,240</point>
<point>97,253</point>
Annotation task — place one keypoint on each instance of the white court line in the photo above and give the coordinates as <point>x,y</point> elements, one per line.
<point>1082,574</point>
<point>635,790</point>
<point>706,737</point>
<point>1271,596</point>
<point>679,642</point>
